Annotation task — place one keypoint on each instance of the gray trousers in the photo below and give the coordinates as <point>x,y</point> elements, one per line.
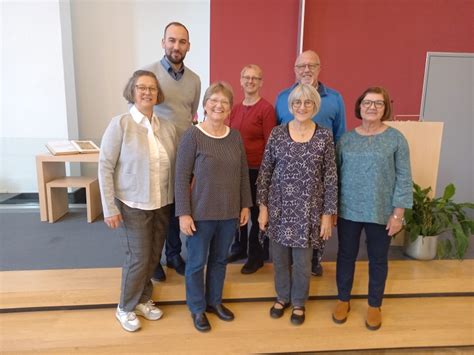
<point>142,236</point>
<point>292,281</point>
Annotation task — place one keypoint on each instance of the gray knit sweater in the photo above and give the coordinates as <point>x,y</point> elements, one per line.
<point>221,185</point>
<point>181,97</point>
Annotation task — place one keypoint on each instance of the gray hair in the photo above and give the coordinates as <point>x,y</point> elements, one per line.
<point>219,87</point>
<point>307,91</point>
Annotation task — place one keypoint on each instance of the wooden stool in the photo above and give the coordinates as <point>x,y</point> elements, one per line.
<point>58,200</point>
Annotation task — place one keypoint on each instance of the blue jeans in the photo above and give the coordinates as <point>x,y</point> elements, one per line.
<point>378,243</point>
<point>208,246</point>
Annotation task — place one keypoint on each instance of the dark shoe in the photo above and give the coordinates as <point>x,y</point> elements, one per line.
<point>251,266</point>
<point>201,322</point>
<point>317,269</point>
<point>159,274</point>
<point>178,264</point>
<point>221,311</point>
<point>278,312</point>
<point>297,319</point>
<point>235,257</point>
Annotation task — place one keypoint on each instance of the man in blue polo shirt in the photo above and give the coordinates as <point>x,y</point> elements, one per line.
<point>331,115</point>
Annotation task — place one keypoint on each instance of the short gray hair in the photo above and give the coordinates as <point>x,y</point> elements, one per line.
<point>221,87</point>
<point>309,92</point>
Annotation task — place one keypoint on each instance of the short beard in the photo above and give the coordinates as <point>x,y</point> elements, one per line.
<point>174,61</point>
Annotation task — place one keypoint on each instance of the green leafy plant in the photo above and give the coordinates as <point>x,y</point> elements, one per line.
<point>434,216</point>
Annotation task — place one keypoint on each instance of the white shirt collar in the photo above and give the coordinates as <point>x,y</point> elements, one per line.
<point>138,116</point>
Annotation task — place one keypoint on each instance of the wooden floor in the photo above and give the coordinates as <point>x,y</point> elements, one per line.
<point>428,305</point>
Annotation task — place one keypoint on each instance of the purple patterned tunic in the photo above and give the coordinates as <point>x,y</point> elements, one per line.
<point>298,184</point>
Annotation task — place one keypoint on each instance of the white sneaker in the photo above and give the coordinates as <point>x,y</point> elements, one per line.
<point>128,320</point>
<point>148,311</point>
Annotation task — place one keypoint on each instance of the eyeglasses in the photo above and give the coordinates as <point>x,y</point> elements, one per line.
<point>306,103</point>
<point>214,102</point>
<point>368,103</point>
<point>251,78</point>
<point>311,66</point>
<point>142,89</point>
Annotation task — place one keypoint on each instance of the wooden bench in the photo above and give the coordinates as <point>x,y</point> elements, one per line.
<point>58,200</point>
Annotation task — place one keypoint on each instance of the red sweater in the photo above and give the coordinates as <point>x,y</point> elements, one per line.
<point>255,124</point>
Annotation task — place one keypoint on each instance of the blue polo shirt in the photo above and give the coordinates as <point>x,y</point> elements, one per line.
<point>331,115</point>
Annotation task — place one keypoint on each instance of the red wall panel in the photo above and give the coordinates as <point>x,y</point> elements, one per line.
<point>384,42</point>
<point>262,32</point>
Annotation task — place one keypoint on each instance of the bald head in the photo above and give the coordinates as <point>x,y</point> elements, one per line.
<point>307,68</point>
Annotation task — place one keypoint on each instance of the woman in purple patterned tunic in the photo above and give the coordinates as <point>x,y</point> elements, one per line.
<point>297,196</point>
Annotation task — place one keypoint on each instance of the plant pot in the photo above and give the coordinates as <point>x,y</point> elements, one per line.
<point>422,248</point>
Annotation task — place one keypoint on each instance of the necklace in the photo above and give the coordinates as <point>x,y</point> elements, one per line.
<point>303,135</point>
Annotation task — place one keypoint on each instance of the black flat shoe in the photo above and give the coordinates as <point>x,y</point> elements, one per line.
<point>159,274</point>
<point>251,267</point>
<point>221,311</point>
<point>201,322</point>
<point>278,312</point>
<point>297,319</point>
<point>317,269</point>
<point>235,257</point>
<point>178,264</point>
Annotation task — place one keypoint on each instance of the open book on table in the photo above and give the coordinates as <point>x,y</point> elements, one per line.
<point>72,147</point>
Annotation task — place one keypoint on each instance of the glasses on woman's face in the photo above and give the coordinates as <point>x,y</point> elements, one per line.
<point>143,89</point>
<point>214,102</point>
<point>368,103</point>
<point>306,103</point>
<point>251,78</point>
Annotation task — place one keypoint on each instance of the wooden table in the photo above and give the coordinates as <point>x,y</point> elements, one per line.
<point>51,167</point>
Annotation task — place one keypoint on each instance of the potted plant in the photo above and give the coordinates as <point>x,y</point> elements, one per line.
<point>431,217</point>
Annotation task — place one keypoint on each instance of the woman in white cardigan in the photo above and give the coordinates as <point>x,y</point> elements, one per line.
<point>136,177</point>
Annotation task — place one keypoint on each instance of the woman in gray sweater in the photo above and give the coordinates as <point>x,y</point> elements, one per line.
<point>136,175</point>
<point>210,209</point>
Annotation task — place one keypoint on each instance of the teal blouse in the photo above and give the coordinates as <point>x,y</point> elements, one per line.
<point>374,175</point>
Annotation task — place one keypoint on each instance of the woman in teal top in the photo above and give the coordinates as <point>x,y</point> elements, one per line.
<point>375,188</point>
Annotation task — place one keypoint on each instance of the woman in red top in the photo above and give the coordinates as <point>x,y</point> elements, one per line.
<point>254,118</point>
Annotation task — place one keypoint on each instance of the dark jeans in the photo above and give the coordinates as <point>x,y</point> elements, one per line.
<point>173,240</point>
<point>378,243</point>
<point>209,247</point>
<point>142,235</point>
<point>242,236</point>
<point>292,271</point>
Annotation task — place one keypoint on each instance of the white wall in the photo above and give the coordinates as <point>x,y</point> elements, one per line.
<point>112,39</point>
<point>53,87</point>
<point>34,107</point>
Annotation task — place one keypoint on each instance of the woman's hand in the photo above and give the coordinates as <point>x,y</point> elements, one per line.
<point>113,221</point>
<point>395,222</point>
<point>244,216</point>
<point>326,226</point>
<point>186,225</point>
<point>263,218</point>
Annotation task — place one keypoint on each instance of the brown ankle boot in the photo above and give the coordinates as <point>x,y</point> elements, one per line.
<point>339,315</point>
<point>374,318</point>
